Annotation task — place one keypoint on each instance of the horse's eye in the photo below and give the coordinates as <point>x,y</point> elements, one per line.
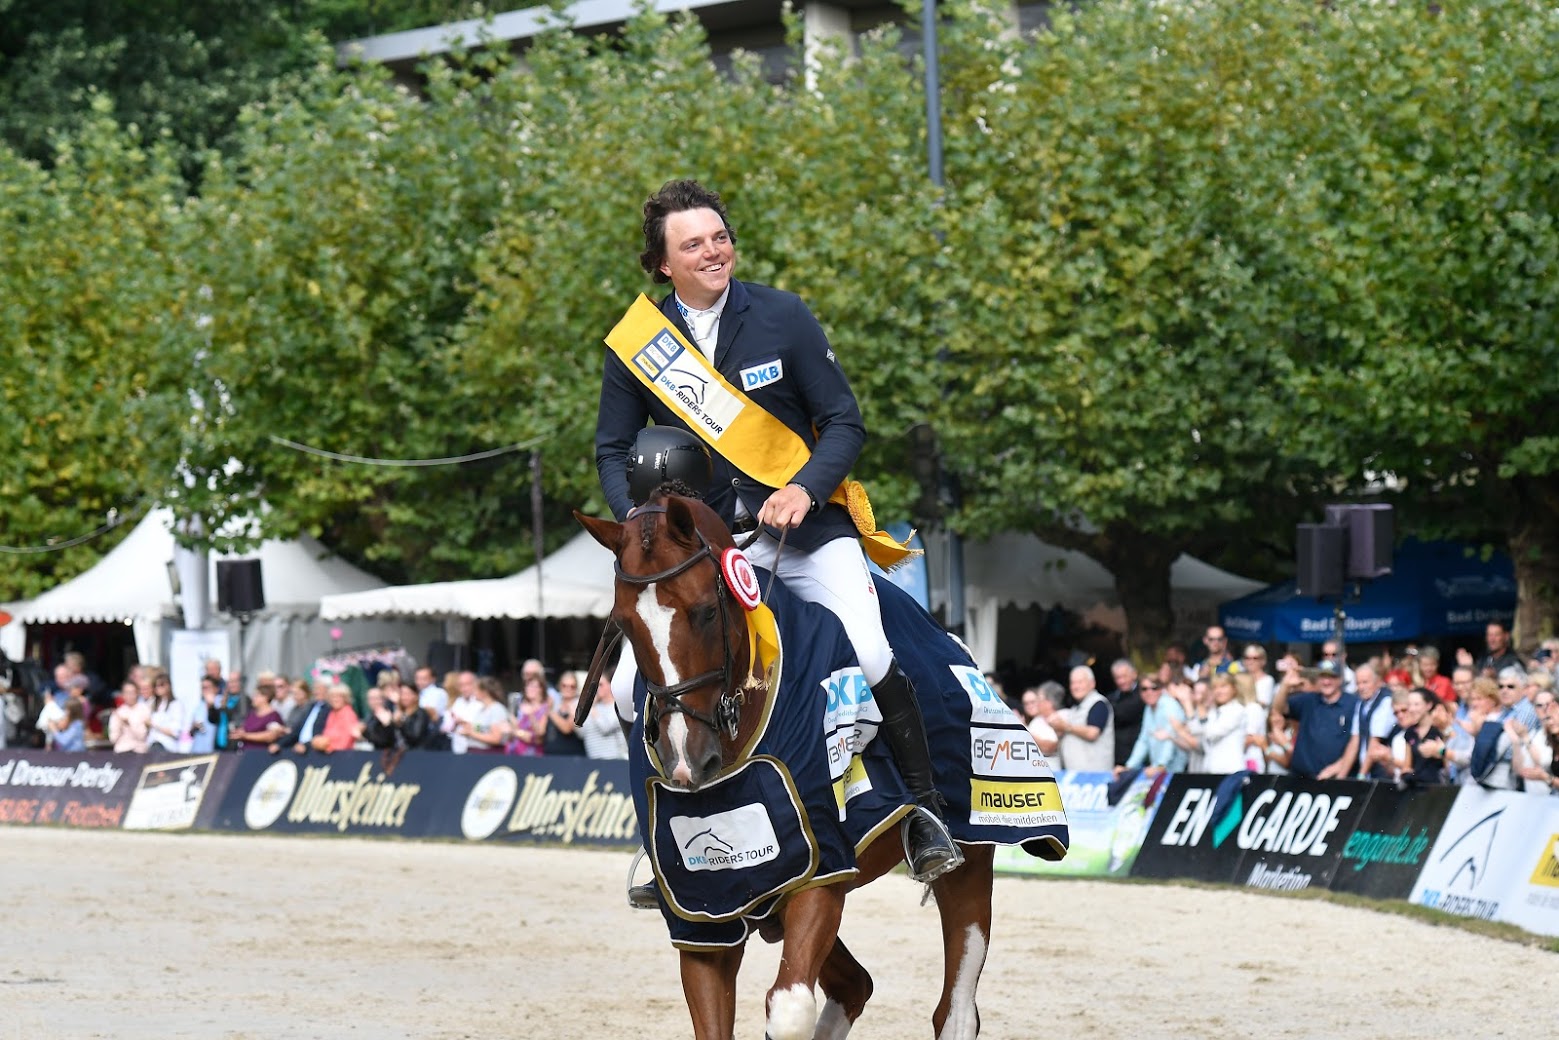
<point>703,615</point>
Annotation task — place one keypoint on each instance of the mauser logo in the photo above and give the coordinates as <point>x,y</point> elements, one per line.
<point>1291,823</point>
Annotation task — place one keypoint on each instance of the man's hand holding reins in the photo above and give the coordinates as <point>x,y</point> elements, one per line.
<point>786,508</point>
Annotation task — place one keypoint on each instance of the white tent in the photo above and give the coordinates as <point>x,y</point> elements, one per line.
<point>1019,570</point>
<point>575,581</point>
<point>131,585</point>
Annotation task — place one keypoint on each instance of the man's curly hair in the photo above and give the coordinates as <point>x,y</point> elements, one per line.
<point>674,197</point>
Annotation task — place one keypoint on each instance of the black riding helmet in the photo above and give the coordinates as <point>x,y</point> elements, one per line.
<point>661,454</point>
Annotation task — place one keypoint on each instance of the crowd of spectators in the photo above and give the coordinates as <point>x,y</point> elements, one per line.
<point>282,715</point>
<point>1385,717</point>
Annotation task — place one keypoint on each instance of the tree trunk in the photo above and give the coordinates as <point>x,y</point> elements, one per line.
<point>1534,548</point>
<point>1140,564</point>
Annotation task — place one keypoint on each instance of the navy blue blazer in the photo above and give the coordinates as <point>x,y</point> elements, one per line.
<point>771,347</point>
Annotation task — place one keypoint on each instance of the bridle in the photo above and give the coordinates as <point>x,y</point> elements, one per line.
<point>667,700</point>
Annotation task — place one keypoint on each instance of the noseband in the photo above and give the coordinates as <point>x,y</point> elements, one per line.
<point>667,700</point>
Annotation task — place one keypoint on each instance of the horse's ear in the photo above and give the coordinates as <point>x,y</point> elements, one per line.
<point>680,520</point>
<point>608,532</point>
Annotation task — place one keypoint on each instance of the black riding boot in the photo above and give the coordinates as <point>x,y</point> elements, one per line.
<point>928,848</point>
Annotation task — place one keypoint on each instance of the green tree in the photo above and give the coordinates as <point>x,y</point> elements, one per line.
<point>94,373</point>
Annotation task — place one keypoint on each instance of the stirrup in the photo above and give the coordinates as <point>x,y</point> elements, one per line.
<point>946,863</point>
<point>645,896</point>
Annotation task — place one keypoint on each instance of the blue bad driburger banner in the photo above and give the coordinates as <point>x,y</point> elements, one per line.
<point>421,794</point>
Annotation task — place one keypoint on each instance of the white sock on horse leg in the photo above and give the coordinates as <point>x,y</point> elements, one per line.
<point>833,1024</point>
<point>963,1022</point>
<point>792,1013</point>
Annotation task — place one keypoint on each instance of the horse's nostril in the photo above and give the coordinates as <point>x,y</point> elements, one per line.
<point>711,763</point>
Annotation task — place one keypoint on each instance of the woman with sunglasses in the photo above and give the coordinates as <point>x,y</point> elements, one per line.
<point>1533,759</point>
<point>1417,746</point>
<point>170,722</point>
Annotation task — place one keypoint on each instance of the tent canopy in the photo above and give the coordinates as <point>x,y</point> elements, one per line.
<point>131,583</point>
<point>1434,589</point>
<point>575,581</point>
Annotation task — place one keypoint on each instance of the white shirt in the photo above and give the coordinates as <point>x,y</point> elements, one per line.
<point>434,696</point>
<point>705,325</point>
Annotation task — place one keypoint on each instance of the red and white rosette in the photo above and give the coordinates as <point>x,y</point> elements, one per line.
<point>740,578</point>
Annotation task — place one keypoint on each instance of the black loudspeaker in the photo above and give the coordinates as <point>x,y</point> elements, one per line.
<point>1370,536</point>
<point>240,587</point>
<point>1323,549</point>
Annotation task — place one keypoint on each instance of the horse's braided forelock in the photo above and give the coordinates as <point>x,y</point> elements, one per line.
<point>647,532</point>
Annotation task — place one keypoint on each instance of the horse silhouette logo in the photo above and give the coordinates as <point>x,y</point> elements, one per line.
<point>690,381</point>
<point>714,846</point>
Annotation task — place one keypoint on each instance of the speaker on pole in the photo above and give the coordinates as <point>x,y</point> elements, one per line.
<point>1323,550</point>
<point>240,587</point>
<point>1370,537</point>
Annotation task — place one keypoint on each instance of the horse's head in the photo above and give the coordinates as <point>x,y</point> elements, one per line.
<point>687,630</point>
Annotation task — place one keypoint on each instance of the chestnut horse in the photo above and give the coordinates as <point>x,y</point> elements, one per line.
<point>703,706</point>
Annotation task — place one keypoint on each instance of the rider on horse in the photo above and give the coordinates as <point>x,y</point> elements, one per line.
<point>767,344</point>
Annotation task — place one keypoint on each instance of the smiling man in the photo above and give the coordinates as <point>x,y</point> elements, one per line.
<point>762,351</point>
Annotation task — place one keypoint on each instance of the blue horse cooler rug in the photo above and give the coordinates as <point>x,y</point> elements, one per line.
<point>813,787</point>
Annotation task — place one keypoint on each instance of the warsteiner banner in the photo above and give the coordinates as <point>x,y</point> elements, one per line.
<point>431,794</point>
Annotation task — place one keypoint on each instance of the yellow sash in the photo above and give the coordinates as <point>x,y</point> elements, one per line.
<point>731,422</point>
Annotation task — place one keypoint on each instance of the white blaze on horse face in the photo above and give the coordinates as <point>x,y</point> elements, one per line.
<point>792,1013</point>
<point>963,1023</point>
<point>657,620</point>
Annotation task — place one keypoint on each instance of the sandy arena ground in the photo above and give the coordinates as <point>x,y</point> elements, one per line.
<point>127,936</point>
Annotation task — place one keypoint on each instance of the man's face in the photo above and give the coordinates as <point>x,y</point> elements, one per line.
<point>1081,684</point>
<point>1367,682</point>
<point>699,256</point>
<point>424,678</point>
<point>1328,649</point>
<point>1151,692</point>
<point>1330,686</point>
<point>1124,676</point>
<point>1217,642</point>
<point>213,668</point>
<point>1497,638</point>
<point>1461,681</point>
<point>62,675</point>
<point>468,684</point>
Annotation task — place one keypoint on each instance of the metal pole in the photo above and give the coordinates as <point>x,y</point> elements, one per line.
<point>536,535</point>
<point>933,87</point>
<point>933,73</point>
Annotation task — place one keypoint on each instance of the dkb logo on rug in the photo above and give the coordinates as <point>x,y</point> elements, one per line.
<point>730,840</point>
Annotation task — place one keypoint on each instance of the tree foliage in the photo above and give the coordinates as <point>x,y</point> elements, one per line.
<point>1198,268</point>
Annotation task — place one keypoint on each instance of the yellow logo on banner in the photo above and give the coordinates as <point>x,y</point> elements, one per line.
<point>847,786</point>
<point>1015,797</point>
<point>1547,872</point>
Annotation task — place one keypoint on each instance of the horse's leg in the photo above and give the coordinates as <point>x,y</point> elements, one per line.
<point>709,984</point>
<point>963,899</point>
<point>846,986</point>
<point>811,922</point>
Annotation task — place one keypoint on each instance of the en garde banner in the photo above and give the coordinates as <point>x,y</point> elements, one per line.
<point>1391,840</point>
<point>64,788</point>
<point>419,794</point>
<point>1266,832</point>
<point>1483,855</point>
<point>1105,837</point>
